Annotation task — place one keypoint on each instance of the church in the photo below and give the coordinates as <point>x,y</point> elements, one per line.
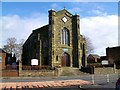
<point>57,44</point>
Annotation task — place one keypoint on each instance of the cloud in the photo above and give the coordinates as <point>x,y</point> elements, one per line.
<point>19,27</point>
<point>102,30</point>
<point>98,12</point>
<point>54,5</point>
<point>119,31</point>
<point>99,8</point>
<point>75,10</point>
<point>0,32</point>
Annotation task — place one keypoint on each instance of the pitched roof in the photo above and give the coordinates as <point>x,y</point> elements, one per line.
<point>1,50</point>
<point>45,27</point>
<point>95,55</point>
<point>64,10</point>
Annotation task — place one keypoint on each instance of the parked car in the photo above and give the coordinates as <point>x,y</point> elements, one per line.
<point>118,84</point>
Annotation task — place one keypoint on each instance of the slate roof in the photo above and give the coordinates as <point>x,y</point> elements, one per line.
<point>95,55</point>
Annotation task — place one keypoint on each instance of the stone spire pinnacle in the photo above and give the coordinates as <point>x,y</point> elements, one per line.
<point>64,7</point>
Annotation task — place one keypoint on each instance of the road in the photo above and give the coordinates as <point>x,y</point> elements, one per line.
<point>93,78</point>
<point>101,82</point>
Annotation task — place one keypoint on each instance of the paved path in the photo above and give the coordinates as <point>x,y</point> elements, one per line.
<point>45,84</point>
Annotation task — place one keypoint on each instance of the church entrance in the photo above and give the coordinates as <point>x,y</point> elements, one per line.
<point>65,60</point>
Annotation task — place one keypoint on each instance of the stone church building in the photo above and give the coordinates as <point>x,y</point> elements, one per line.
<point>57,44</point>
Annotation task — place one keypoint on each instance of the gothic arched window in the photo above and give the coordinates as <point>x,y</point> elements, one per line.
<point>65,36</point>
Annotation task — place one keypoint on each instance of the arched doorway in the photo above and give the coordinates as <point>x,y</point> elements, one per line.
<point>65,59</point>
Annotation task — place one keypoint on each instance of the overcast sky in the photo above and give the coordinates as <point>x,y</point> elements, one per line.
<point>98,21</point>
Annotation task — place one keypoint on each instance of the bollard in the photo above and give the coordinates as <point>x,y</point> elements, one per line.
<point>108,78</point>
<point>93,79</point>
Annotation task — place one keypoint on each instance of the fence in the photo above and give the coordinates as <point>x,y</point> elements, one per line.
<point>101,79</point>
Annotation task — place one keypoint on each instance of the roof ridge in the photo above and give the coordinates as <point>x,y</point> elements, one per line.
<point>64,10</point>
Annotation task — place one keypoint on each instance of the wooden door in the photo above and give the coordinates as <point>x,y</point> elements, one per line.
<point>65,60</point>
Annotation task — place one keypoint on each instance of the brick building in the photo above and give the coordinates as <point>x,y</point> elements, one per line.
<point>6,59</point>
<point>93,58</point>
<point>2,58</point>
<point>113,55</point>
<point>57,44</point>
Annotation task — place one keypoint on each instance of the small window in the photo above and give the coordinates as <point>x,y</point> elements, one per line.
<point>56,58</point>
<point>44,44</point>
<point>81,45</point>
<point>53,52</point>
<point>52,35</point>
<point>78,25</point>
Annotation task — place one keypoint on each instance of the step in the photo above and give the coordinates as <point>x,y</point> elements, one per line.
<point>71,71</point>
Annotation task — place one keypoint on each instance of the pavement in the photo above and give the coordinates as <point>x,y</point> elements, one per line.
<point>41,85</point>
<point>107,86</point>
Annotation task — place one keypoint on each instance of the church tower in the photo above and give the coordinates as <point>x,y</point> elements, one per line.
<point>65,41</point>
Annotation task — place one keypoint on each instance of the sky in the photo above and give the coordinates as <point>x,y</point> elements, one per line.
<point>98,20</point>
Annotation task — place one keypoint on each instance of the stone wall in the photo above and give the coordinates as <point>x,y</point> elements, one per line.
<point>118,71</point>
<point>104,70</point>
<point>32,73</point>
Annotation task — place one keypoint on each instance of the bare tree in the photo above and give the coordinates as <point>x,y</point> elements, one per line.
<point>12,46</point>
<point>89,46</point>
<point>19,49</point>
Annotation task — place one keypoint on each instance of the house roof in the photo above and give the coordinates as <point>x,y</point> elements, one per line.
<point>1,50</point>
<point>113,47</point>
<point>45,27</point>
<point>94,55</point>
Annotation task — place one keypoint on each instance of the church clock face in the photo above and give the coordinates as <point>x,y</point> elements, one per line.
<point>64,19</point>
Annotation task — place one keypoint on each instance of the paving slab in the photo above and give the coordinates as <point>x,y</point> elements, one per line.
<point>45,84</point>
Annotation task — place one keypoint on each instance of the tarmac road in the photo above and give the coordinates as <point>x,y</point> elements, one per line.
<point>101,82</point>
<point>97,78</point>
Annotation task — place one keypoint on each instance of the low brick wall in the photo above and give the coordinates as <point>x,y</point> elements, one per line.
<point>31,73</point>
<point>104,70</point>
<point>100,70</point>
<point>10,73</point>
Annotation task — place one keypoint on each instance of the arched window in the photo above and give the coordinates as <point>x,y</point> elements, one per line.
<point>64,36</point>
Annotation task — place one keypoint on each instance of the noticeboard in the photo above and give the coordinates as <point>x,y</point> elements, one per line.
<point>34,61</point>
